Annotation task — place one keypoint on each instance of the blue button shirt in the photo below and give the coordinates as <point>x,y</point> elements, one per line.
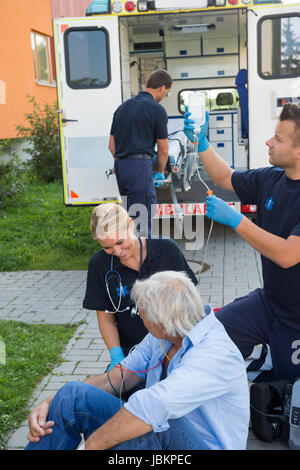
<point>137,124</point>
<point>206,382</point>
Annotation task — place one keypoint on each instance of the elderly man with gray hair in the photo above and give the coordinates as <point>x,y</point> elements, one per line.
<point>196,395</point>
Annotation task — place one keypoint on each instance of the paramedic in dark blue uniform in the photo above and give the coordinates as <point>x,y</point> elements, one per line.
<point>138,125</point>
<point>113,271</point>
<point>272,314</point>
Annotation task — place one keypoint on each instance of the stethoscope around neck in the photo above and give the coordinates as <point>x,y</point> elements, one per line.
<point>114,274</point>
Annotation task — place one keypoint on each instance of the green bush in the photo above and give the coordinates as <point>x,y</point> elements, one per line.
<point>11,178</point>
<point>42,135</point>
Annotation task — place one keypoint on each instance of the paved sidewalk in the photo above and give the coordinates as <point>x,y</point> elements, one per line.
<point>56,297</point>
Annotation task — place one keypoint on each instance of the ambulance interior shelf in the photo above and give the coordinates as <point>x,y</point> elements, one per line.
<point>183,161</point>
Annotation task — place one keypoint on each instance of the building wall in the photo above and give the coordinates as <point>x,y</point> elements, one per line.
<point>69,8</point>
<point>17,75</point>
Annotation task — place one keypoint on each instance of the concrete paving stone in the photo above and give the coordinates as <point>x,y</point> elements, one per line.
<point>72,301</point>
<point>61,316</point>
<point>9,296</point>
<point>66,367</point>
<point>215,300</point>
<point>14,314</point>
<point>52,387</point>
<point>55,320</point>
<point>4,314</point>
<point>89,371</point>
<point>64,378</point>
<point>79,317</point>
<point>43,382</point>
<point>97,340</point>
<point>18,440</point>
<point>92,320</point>
<point>205,299</point>
<point>78,358</point>
<point>242,285</point>
<point>105,356</point>
<point>72,343</point>
<point>83,343</point>
<point>205,280</point>
<point>88,335</point>
<point>26,317</point>
<point>40,397</point>
<point>88,364</point>
<point>215,287</point>
<point>242,292</point>
<point>94,331</point>
<point>254,284</point>
<point>46,304</point>
<point>98,347</point>
<point>228,300</point>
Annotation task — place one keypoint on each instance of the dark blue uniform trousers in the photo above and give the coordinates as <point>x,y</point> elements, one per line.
<point>135,181</point>
<point>249,321</point>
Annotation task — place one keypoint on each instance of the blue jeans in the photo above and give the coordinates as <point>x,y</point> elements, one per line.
<point>80,408</point>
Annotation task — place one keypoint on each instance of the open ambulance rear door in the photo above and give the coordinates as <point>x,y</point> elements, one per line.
<point>89,91</point>
<point>273,72</point>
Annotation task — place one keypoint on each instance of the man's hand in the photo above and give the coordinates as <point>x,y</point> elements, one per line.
<point>37,422</point>
<point>157,177</point>
<point>188,129</point>
<point>122,427</point>
<point>220,211</point>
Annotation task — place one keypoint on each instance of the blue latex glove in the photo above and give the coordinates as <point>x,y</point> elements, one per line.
<point>157,177</point>
<point>220,211</point>
<point>116,355</point>
<point>188,129</point>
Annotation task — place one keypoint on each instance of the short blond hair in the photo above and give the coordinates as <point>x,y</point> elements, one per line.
<point>107,219</point>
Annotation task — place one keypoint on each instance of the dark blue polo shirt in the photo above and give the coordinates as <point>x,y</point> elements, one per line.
<point>137,124</point>
<point>278,212</point>
<point>163,254</point>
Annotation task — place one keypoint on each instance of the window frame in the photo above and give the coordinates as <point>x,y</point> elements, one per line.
<point>49,57</point>
<point>259,46</point>
<point>67,55</point>
<point>230,87</point>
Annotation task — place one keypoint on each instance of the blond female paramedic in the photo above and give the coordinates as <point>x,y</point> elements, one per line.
<point>124,258</point>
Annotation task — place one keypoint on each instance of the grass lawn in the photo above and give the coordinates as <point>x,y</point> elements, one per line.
<point>31,353</point>
<point>40,233</point>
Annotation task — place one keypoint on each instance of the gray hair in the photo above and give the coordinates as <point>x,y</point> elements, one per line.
<point>171,299</point>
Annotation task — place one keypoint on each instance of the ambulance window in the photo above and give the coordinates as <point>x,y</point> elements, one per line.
<point>217,99</point>
<point>279,46</point>
<point>87,58</point>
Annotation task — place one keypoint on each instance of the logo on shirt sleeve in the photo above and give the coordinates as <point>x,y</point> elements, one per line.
<point>269,204</point>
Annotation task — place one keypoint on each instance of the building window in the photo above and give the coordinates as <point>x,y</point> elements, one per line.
<point>43,54</point>
<point>279,46</point>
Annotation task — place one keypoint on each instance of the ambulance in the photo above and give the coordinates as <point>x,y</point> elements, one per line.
<point>243,54</point>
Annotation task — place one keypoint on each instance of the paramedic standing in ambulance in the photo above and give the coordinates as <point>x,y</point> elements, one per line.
<point>272,314</point>
<point>138,125</point>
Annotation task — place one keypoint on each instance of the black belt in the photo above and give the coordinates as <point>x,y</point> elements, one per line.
<point>137,155</point>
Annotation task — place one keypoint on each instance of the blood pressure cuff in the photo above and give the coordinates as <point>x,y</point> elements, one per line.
<point>267,398</point>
